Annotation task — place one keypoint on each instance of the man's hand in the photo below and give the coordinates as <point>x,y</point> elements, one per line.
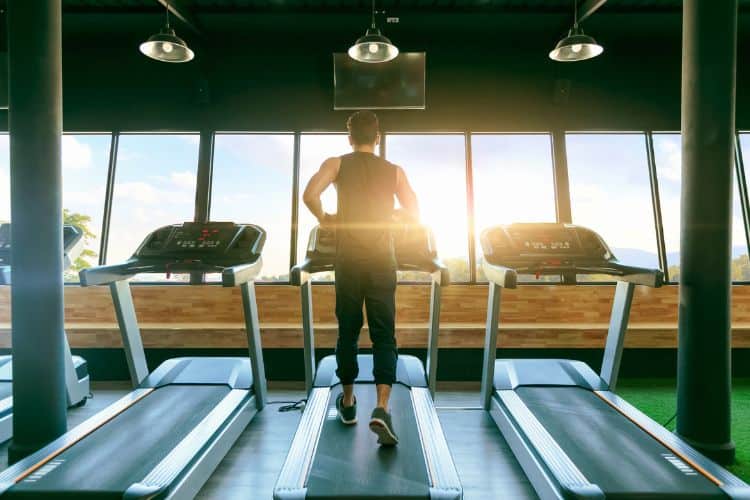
<point>328,222</point>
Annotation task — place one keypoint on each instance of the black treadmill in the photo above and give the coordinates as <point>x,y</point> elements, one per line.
<point>76,369</point>
<point>165,438</point>
<point>331,460</point>
<point>573,436</point>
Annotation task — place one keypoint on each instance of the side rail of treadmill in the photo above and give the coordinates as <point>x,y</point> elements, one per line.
<point>292,481</point>
<point>553,473</point>
<point>726,481</point>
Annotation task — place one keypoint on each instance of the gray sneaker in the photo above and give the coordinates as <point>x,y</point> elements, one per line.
<point>347,414</point>
<point>381,424</point>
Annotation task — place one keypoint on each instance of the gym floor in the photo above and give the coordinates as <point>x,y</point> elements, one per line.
<point>484,461</point>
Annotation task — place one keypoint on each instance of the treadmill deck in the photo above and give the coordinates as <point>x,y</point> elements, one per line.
<point>125,449</point>
<point>610,450</point>
<point>349,463</point>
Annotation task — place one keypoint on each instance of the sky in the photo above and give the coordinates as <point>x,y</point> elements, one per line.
<point>85,159</point>
<point>252,184</point>
<point>668,157</point>
<point>610,189</point>
<point>156,175</point>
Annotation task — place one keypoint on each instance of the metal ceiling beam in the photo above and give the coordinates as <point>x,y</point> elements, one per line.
<point>588,7</point>
<point>178,9</point>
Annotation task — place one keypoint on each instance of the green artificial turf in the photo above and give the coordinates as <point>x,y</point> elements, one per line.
<point>657,398</point>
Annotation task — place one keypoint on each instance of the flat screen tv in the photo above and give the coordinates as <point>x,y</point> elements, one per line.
<point>397,84</point>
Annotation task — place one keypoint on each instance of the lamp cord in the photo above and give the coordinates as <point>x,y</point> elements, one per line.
<point>373,15</point>
<point>575,14</point>
<point>167,25</point>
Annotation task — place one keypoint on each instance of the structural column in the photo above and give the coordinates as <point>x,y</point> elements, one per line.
<point>35,120</point>
<point>708,97</point>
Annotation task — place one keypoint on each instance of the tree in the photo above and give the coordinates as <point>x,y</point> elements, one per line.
<point>81,222</point>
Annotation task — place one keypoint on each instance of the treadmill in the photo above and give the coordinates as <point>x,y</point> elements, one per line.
<point>76,369</point>
<point>573,436</point>
<point>165,438</point>
<point>330,460</point>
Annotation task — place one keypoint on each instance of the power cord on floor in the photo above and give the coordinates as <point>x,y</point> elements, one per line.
<point>670,420</point>
<point>289,405</point>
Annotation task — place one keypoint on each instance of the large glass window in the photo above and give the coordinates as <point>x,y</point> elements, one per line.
<point>314,150</point>
<point>4,178</point>
<point>252,183</point>
<point>668,159</point>
<point>610,193</point>
<point>513,181</point>
<point>436,167</point>
<point>154,187</point>
<point>85,163</point>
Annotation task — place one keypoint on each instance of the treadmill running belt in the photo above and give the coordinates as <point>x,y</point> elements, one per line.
<point>349,463</point>
<point>609,449</point>
<point>123,451</point>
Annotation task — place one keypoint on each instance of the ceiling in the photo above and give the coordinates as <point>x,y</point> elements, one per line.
<point>224,6</point>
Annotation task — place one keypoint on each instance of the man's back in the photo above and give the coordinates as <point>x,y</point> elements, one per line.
<point>365,186</point>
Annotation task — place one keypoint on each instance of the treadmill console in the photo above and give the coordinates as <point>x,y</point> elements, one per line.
<point>72,244</point>
<point>549,248</point>
<point>524,244</point>
<point>414,246</point>
<point>218,243</point>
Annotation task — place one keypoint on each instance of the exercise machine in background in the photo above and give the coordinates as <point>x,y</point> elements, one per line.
<point>573,436</point>
<point>165,438</point>
<point>76,369</point>
<point>330,460</point>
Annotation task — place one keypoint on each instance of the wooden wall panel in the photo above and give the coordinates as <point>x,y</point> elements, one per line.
<point>532,316</point>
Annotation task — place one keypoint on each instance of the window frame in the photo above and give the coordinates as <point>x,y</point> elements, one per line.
<point>559,168</point>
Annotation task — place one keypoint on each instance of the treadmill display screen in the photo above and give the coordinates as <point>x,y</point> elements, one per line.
<point>210,242</point>
<point>516,243</point>
<point>71,237</point>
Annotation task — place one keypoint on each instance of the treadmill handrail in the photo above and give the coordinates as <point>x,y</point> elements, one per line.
<point>653,278</point>
<point>242,273</point>
<point>106,274</point>
<point>302,273</point>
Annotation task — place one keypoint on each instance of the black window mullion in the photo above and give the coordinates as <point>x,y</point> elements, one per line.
<point>204,177</point>
<point>295,201</point>
<point>561,177</point>
<point>470,208</point>
<point>656,204</point>
<point>108,192</point>
<point>742,186</point>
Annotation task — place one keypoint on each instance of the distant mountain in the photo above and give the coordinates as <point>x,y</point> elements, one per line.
<point>642,258</point>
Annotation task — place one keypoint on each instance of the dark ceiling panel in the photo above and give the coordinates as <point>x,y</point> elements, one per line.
<point>198,6</point>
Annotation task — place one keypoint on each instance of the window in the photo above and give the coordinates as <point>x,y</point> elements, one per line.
<point>4,178</point>
<point>252,183</point>
<point>314,149</point>
<point>610,193</point>
<point>668,159</point>
<point>513,182</point>
<point>436,167</point>
<point>85,163</point>
<point>154,187</point>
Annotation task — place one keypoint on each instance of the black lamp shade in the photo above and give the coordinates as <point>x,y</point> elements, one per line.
<point>165,46</point>
<point>373,48</point>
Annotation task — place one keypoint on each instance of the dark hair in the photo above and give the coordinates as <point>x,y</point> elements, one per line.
<point>363,127</point>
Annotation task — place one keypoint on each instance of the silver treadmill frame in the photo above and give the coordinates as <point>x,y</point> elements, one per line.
<point>545,463</point>
<point>444,480</point>
<point>195,458</point>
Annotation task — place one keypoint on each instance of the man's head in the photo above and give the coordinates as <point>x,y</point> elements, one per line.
<point>364,129</point>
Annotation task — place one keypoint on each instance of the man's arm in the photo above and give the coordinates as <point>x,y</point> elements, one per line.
<point>406,196</point>
<point>318,183</point>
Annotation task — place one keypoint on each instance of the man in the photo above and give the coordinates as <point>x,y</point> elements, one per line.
<point>365,262</point>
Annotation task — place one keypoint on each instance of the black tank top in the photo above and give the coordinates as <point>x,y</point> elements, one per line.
<point>365,186</point>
